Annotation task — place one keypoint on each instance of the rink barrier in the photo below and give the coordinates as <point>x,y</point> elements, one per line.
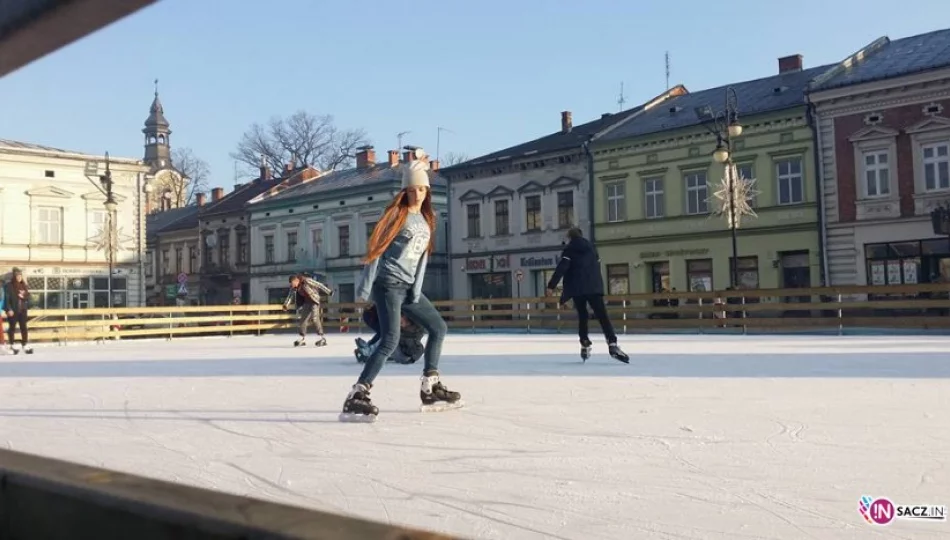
<point>52,499</point>
<point>911,307</point>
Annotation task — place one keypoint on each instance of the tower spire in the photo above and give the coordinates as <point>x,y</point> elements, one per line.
<point>157,134</point>
<point>156,88</point>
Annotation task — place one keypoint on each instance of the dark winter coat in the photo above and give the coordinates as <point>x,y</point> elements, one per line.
<point>580,268</point>
<point>13,302</point>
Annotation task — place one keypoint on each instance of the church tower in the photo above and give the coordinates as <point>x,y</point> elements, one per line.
<point>157,133</point>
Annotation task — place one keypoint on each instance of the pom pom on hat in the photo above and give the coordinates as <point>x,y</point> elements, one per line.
<point>416,172</point>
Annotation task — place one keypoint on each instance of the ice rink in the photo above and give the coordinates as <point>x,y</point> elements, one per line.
<point>700,437</point>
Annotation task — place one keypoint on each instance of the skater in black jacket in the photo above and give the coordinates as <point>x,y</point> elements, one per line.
<point>580,268</point>
<point>17,305</point>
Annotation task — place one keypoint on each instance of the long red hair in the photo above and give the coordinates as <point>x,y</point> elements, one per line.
<point>393,220</point>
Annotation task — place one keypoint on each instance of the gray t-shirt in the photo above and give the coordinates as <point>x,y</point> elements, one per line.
<point>401,258</point>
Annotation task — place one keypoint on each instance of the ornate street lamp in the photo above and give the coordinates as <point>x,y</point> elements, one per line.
<point>735,193</point>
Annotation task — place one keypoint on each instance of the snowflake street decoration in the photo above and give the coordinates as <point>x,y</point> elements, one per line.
<point>110,243</point>
<point>743,192</point>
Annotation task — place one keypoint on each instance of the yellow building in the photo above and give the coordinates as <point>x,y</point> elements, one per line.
<point>656,223</point>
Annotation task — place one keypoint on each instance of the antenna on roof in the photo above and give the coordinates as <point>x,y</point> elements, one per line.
<point>621,100</point>
<point>399,139</point>
<point>667,58</point>
<point>438,140</point>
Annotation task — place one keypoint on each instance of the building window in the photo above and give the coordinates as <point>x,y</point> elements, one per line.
<point>209,251</point>
<point>502,218</point>
<point>877,174</point>
<point>316,242</point>
<point>292,246</point>
<point>936,162</point>
<point>179,260</point>
<point>166,263</point>
<point>660,276</point>
<point>748,274</point>
<point>473,213</point>
<point>269,249</point>
<point>908,263</point>
<point>49,225</point>
<point>149,263</point>
<point>791,186</point>
<point>242,246</point>
<point>565,209</point>
<point>192,259</point>
<point>532,213</point>
<point>97,221</point>
<point>343,232</point>
<point>747,172</point>
<point>616,202</point>
<point>696,193</point>
<point>618,279</point>
<point>653,196</point>
<point>224,247</point>
<point>699,275</point>
<point>370,225</point>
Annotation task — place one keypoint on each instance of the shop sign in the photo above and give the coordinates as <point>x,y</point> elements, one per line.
<point>58,271</point>
<point>484,264</point>
<point>540,261</point>
<point>673,253</point>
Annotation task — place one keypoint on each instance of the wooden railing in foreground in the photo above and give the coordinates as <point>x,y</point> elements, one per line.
<point>57,500</point>
<point>762,310</point>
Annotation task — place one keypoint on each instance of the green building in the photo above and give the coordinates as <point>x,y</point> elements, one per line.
<point>655,214</point>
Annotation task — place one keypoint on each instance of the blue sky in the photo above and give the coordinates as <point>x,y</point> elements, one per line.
<point>494,72</point>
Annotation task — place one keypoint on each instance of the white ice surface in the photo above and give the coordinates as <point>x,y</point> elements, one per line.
<point>699,438</point>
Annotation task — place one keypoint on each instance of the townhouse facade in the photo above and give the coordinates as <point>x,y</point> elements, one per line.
<point>884,141</point>
<point>322,226</point>
<point>654,207</point>
<point>510,210</point>
<point>172,262</point>
<point>54,226</point>
<point>224,234</point>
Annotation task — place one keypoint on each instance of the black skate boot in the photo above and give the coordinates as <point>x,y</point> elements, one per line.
<point>358,407</point>
<point>617,354</point>
<point>300,342</point>
<point>322,342</point>
<point>436,397</point>
<point>585,350</point>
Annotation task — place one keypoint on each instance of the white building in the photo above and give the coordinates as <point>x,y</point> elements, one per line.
<point>510,210</point>
<point>321,225</point>
<point>54,227</point>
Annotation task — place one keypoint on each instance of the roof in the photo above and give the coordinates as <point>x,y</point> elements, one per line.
<point>774,93</point>
<point>160,222</point>
<point>886,59</point>
<point>236,200</point>
<point>350,178</point>
<point>8,144</point>
<point>17,145</point>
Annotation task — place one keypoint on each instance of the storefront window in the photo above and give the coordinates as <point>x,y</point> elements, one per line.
<point>618,279</point>
<point>906,263</point>
<point>59,292</point>
<point>660,276</point>
<point>699,275</point>
<point>490,285</point>
<point>748,272</point>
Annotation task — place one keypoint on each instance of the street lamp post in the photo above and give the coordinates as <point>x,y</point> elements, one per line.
<point>111,206</point>
<point>726,127</point>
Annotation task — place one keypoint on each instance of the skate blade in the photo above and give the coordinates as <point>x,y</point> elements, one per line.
<point>353,418</point>
<point>624,359</point>
<point>441,406</point>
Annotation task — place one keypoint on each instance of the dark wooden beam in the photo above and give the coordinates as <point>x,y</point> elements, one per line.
<point>53,499</point>
<point>31,29</point>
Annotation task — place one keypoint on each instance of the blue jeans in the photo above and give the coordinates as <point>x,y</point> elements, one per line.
<point>390,298</point>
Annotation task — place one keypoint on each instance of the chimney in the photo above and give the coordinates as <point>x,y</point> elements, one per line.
<point>366,157</point>
<point>791,63</point>
<point>566,122</point>
<point>217,194</point>
<point>434,165</point>
<point>200,199</point>
<point>393,158</point>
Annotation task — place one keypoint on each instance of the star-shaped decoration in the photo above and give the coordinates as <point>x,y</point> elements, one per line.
<point>104,241</point>
<point>743,192</point>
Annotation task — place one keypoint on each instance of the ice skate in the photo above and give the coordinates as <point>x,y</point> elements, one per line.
<point>300,342</point>
<point>617,354</point>
<point>322,342</point>
<point>585,350</point>
<point>358,407</point>
<point>15,349</point>
<point>436,397</point>
<point>27,349</point>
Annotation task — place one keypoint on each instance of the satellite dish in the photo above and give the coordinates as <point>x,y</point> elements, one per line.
<point>211,240</point>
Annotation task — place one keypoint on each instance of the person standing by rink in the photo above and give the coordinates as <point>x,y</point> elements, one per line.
<point>396,258</point>
<point>17,306</point>
<point>580,268</point>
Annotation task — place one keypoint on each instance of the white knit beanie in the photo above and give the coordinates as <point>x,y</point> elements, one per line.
<point>416,172</point>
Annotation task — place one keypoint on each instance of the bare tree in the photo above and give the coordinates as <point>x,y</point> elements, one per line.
<point>453,158</point>
<point>306,138</point>
<point>180,184</point>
